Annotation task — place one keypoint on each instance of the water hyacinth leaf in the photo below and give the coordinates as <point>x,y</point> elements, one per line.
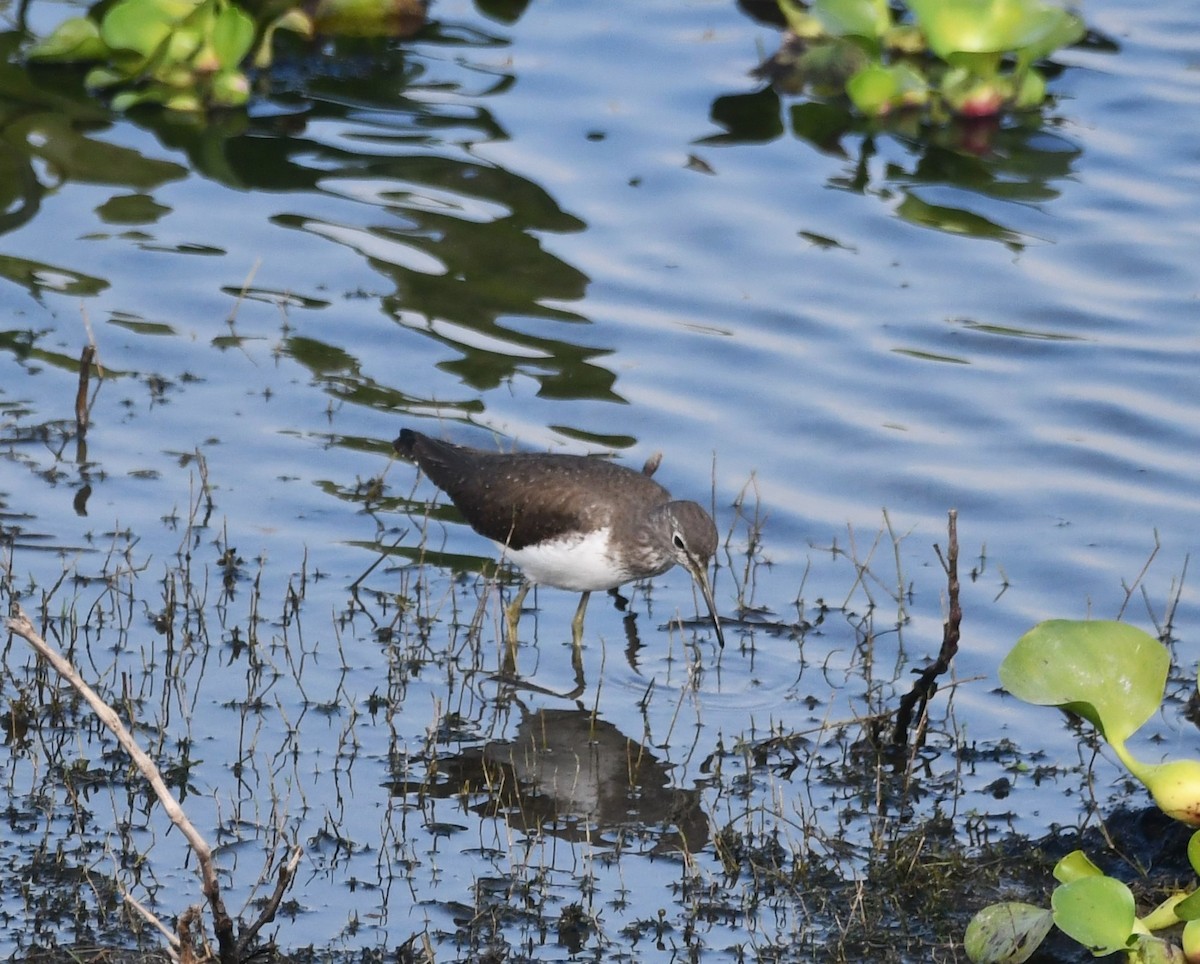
<point>1031,91</point>
<point>875,90</point>
<point>1045,31</point>
<point>1191,939</point>
<point>297,21</point>
<point>986,26</point>
<point>872,90</point>
<point>178,76</point>
<point>1165,915</point>
<point>230,88</point>
<point>1193,852</point>
<point>1007,933</point>
<point>182,44</point>
<point>127,99</point>
<point>1075,866</point>
<point>185,102</point>
<point>800,21</point>
<point>1098,912</point>
<point>853,18</point>
<point>1112,674</point>
<point>137,25</point>
<point>1175,785</point>
<point>99,78</point>
<point>232,36</point>
<point>1189,908</point>
<point>952,26</point>
<point>72,41</point>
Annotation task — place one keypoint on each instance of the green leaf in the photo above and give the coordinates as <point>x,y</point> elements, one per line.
<point>1175,785</point>
<point>1006,933</point>
<point>853,18</point>
<point>230,88</point>
<point>137,25</point>
<point>1193,852</point>
<point>876,89</point>
<point>131,98</point>
<point>72,41</point>
<point>1032,90</point>
<point>1050,29</point>
<point>799,20</point>
<point>1112,674</point>
<point>1075,866</point>
<point>232,36</point>
<point>872,90</point>
<point>184,103</point>
<point>1027,27</point>
<point>1189,908</point>
<point>1191,939</point>
<point>182,45</point>
<point>294,20</point>
<point>102,77</point>
<point>1099,912</point>
<point>1166,914</point>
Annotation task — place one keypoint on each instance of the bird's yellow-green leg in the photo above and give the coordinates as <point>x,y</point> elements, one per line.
<point>577,622</point>
<point>512,614</point>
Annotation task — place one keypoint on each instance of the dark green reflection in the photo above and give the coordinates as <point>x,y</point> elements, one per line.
<point>1021,159</point>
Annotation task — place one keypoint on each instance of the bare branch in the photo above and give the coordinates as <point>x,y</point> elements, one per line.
<point>926,684</point>
<point>152,919</point>
<point>287,873</point>
<point>20,624</point>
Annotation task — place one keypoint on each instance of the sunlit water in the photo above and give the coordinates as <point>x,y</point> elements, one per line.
<point>532,231</point>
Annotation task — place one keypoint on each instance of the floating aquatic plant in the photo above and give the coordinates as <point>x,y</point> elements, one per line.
<point>963,58</point>
<point>1114,676</point>
<point>192,55</point>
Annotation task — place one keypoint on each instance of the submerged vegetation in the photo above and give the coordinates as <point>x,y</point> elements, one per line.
<point>843,837</point>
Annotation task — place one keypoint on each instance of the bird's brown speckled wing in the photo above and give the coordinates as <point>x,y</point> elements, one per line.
<point>523,498</point>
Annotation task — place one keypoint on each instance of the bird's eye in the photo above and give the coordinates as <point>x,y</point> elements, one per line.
<point>678,540</point>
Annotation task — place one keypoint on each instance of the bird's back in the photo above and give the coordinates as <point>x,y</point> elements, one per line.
<point>523,498</point>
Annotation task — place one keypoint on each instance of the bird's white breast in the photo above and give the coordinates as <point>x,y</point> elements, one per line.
<point>580,562</point>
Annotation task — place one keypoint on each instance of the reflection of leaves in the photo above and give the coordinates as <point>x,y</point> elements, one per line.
<point>468,268</point>
<point>1008,331</point>
<point>131,209</point>
<point>341,375</point>
<point>747,118</point>
<point>75,157</point>
<point>20,192</point>
<point>36,276</point>
<point>954,221</point>
<point>22,344</point>
<point>1021,164</point>
<point>320,357</point>
<point>36,123</point>
<point>1013,163</point>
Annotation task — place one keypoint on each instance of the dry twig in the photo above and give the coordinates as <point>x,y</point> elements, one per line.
<point>926,685</point>
<point>229,950</point>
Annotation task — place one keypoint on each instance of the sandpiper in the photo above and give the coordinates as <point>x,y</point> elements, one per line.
<point>570,521</point>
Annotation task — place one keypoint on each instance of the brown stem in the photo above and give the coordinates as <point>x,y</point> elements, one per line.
<point>926,685</point>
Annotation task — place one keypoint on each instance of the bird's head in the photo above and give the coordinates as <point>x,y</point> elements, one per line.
<point>693,542</point>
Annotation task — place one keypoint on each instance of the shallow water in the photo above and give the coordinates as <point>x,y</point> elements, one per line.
<point>589,230</point>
